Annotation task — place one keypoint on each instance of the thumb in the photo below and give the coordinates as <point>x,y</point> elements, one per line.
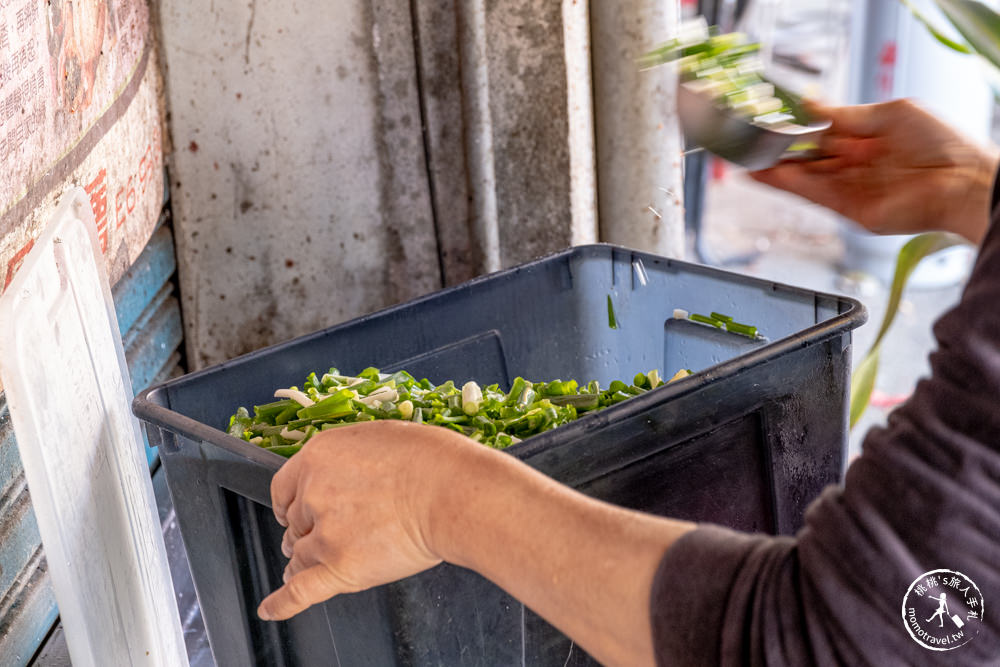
<point>817,109</point>
<point>308,587</point>
<point>805,181</point>
<point>862,120</point>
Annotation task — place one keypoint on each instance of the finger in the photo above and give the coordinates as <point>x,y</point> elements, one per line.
<point>817,109</point>
<point>284,486</point>
<point>295,565</point>
<point>306,553</point>
<point>291,538</point>
<point>793,178</point>
<point>299,522</point>
<point>873,119</point>
<point>814,106</point>
<point>301,591</point>
<point>851,151</point>
<point>857,120</point>
<point>791,175</point>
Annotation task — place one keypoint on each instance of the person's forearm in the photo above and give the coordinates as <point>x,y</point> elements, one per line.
<point>585,566</point>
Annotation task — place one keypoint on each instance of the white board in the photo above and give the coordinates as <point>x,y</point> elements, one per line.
<point>64,374</point>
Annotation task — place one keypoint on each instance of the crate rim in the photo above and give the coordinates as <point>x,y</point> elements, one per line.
<point>148,408</point>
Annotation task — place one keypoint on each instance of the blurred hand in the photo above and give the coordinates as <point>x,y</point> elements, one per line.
<point>354,504</point>
<point>895,169</point>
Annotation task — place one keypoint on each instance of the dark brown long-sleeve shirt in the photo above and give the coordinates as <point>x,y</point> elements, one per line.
<point>924,495</point>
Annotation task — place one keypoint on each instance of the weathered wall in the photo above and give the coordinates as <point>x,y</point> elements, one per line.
<point>78,106</point>
<point>332,160</point>
<point>298,181</point>
<point>505,89</point>
<point>531,68</point>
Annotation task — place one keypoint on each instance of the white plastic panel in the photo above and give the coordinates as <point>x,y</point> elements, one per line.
<point>69,395</point>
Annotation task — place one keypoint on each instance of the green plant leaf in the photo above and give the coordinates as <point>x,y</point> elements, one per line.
<point>863,380</point>
<point>916,249</point>
<point>935,33</point>
<point>977,23</point>
<point>862,383</point>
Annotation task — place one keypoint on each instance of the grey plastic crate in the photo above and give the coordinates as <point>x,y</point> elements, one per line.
<point>747,441</point>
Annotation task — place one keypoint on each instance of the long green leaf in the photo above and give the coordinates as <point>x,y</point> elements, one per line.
<point>977,23</point>
<point>935,33</point>
<point>863,381</point>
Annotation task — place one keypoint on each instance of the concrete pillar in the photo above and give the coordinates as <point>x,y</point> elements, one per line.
<point>638,140</point>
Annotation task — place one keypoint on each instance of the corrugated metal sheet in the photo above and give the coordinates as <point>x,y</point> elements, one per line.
<point>150,322</point>
<point>28,612</point>
<point>27,605</point>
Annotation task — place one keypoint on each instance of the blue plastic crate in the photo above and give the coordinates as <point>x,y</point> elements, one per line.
<point>747,441</point>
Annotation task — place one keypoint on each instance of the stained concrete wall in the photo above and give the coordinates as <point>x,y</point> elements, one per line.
<point>298,177</point>
<point>333,159</point>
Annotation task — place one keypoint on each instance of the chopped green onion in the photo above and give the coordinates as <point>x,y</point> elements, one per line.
<point>705,319</point>
<point>488,415</point>
<point>742,329</point>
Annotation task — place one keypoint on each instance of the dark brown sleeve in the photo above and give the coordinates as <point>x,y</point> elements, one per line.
<point>924,495</point>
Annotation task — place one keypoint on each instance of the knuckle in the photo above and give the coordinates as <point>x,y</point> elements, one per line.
<point>298,591</point>
<point>326,541</point>
<point>904,104</point>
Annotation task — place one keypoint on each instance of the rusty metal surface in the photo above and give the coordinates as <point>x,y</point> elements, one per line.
<point>27,613</point>
<point>55,652</point>
<point>299,179</point>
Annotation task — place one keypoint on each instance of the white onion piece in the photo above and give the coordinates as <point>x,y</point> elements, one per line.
<point>296,395</point>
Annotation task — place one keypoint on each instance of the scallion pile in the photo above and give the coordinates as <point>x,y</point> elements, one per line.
<point>726,68</point>
<point>489,415</point>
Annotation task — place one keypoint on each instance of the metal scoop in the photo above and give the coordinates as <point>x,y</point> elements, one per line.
<point>741,141</point>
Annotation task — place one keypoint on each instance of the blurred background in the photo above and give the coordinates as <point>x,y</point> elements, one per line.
<point>842,52</point>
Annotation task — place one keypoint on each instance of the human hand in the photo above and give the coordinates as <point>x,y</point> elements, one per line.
<point>355,505</point>
<point>372,503</point>
<point>895,169</point>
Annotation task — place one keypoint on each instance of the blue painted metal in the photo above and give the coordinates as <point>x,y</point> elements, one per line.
<point>151,345</point>
<point>20,533</point>
<point>10,461</point>
<point>141,283</point>
<point>27,614</point>
<point>149,320</point>
<point>27,604</point>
